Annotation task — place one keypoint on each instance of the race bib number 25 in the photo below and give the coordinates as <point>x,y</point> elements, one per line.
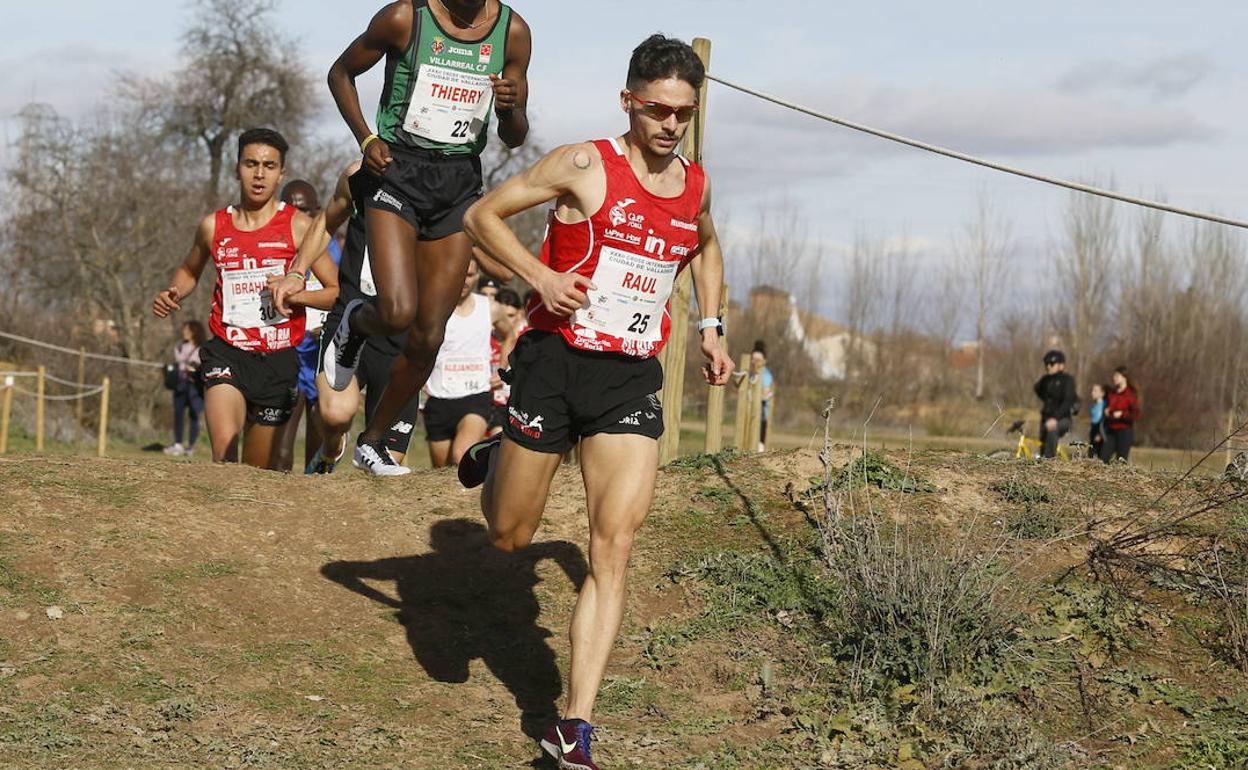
<point>631,297</point>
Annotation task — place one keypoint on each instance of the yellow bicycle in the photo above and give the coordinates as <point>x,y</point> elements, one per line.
<point>1030,448</point>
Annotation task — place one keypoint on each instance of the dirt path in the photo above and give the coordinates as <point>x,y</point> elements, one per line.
<point>224,617</point>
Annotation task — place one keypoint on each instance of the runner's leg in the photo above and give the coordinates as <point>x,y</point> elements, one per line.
<point>619,472</point>
<point>391,244</point>
<point>513,497</point>
<point>337,409</point>
<point>471,429</point>
<point>225,411</point>
<point>441,265</point>
<point>260,446</point>
<point>439,453</point>
<point>284,457</point>
<point>313,435</point>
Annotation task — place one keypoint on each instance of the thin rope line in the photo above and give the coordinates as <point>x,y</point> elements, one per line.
<point>19,374</point>
<point>97,356</point>
<point>66,383</point>
<point>980,161</point>
<point>74,397</point>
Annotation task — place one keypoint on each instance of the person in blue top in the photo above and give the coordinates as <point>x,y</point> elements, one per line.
<point>302,195</point>
<point>1096,413</point>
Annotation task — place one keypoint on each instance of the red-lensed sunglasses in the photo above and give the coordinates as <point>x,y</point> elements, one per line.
<point>661,112</point>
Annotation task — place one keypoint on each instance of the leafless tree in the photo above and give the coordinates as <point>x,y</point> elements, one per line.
<point>1084,265</point>
<point>238,72</point>
<point>101,211</point>
<point>983,251</point>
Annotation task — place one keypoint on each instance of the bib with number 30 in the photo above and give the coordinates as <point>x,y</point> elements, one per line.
<point>449,106</point>
<point>631,296</point>
<point>247,302</point>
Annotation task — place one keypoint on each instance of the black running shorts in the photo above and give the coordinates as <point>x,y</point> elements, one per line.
<point>560,394</point>
<point>268,381</point>
<point>429,189</point>
<point>372,374</point>
<point>442,415</point>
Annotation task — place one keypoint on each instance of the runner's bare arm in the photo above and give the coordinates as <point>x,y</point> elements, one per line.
<point>492,267</point>
<point>708,282</point>
<point>186,277</point>
<point>314,244</point>
<point>511,90</point>
<point>570,173</point>
<point>388,32</point>
<point>304,229</point>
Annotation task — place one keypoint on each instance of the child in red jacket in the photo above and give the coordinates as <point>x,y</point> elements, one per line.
<point>1122,411</point>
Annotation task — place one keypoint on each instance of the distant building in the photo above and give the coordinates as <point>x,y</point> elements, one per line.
<point>829,345</point>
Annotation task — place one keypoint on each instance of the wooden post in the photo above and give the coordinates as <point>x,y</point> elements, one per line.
<point>715,395</point>
<point>743,405</point>
<point>82,380</point>
<point>39,407</point>
<point>6,409</point>
<point>673,356</point>
<point>102,447</point>
<point>756,412</point>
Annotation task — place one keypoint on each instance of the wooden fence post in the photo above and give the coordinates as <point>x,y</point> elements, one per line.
<point>82,380</point>
<point>6,409</point>
<point>40,384</point>
<point>743,405</point>
<point>715,395</point>
<point>756,413</point>
<point>102,447</point>
<point>673,355</point>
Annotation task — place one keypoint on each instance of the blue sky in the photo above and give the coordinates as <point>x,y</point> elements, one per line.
<point>1147,93</point>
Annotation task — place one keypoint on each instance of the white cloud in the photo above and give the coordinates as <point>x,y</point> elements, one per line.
<point>1162,77</point>
<point>763,147</point>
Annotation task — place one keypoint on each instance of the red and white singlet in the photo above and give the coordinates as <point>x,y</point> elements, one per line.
<point>632,248</point>
<point>242,307</point>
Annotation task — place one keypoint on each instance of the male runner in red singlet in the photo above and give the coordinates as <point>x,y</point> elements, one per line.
<point>451,66</point>
<point>250,368</point>
<point>630,214</point>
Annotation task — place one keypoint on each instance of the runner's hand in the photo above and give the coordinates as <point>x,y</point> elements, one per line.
<point>505,93</point>
<point>166,302</point>
<point>564,293</point>
<point>284,288</point>
<point>718,368</point>
<point>377,157</point>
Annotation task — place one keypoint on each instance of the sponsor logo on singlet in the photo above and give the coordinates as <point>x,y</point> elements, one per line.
<point>683,225</point>
<point>438,45</point>
<point>618,213</point>
<point>486,51</point>
<point>274,245</point>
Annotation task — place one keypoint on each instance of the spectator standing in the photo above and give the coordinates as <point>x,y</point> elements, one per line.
<point>1057,393</point>
<point>1096,414</point>
<point>760,373</point>
<point>188,394</point>
<point>1122,411</point>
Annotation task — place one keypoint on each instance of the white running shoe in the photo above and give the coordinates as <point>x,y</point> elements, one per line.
<point>174,450</point>
<point>342,354</point>
<point>376,460</point>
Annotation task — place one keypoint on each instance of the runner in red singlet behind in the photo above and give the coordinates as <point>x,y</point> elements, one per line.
<point>630,214</point>
<point>250,368</point>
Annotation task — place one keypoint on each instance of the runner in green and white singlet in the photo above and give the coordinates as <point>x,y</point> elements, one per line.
<point>452,67</point>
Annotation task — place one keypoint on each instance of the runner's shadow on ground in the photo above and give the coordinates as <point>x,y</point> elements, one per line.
<point>467,600</point>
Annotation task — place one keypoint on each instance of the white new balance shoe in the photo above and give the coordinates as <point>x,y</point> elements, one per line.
<point>375,459</point>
